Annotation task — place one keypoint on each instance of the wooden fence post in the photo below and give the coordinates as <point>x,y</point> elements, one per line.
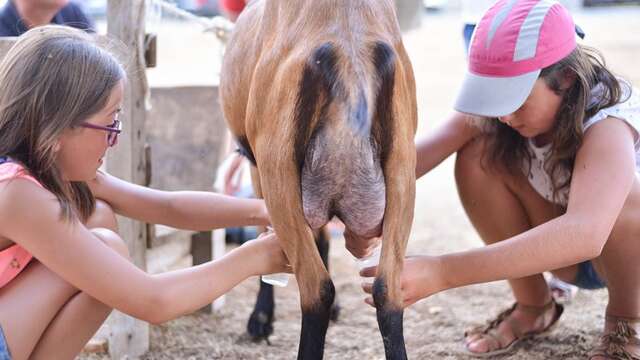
<point>129,337</point>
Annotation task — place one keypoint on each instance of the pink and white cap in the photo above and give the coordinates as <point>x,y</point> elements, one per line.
<point>512,43</point>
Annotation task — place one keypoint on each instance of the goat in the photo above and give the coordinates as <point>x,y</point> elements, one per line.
<point>320,95</point>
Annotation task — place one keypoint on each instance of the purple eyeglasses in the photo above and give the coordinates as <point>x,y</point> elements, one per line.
<point>112,130</point>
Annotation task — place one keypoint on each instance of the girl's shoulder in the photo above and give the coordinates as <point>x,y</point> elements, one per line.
<point>22,198</point>
<point>627,110</point>
<point>16,186</point>
<point>10,169</point>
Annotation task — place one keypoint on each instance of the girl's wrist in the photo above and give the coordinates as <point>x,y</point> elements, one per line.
<point>434,276</point>
<point>244,262</point>
<point>442,279</point>
<point>262,214</point>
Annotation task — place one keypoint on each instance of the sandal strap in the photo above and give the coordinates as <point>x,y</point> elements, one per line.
<point>621,341</point>
<point>491,324</point>
<point>516,327</point>
<point>537,310</point>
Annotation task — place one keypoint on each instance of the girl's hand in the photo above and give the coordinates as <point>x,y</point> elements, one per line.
<point>265,256</point>
<point>233,176</point>
<point>421,278</point>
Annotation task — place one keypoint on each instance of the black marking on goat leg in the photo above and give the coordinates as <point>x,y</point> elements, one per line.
<point>314,325</point>
<point>318,86</point>
<point>384,62</point>
<point>323,245</point>
<point>260,324</point>
<point>389,322</point>
<point>322,242</point>
<point>244,148</point>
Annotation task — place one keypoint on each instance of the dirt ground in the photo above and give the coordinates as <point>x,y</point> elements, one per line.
<point>433,328</point>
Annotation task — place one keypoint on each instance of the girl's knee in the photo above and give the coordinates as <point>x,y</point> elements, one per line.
<point>473,165</point>
<point>112,240</point>
<point>103,217</point>
<point>469,161</point>
<point>38,274</point>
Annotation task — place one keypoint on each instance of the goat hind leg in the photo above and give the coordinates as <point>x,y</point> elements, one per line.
<point>260,323</point>
<point>387,294</point>
<point>280,185</point>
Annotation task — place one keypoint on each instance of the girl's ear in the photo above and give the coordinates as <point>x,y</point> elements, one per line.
<point>57,146</point>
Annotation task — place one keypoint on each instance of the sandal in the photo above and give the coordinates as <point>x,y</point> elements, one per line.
<point>621,340</point>
<point>497,342</point>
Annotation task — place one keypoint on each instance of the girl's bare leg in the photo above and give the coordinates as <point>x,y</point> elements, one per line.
<point>618,264</point>
<point>48,317</point>
<point>501,205</point>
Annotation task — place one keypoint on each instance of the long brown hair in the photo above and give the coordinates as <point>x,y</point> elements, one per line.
<point>507,148</point>
<point>53,79</point>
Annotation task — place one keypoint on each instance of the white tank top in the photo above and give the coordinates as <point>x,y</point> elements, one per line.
<point>627,111</point>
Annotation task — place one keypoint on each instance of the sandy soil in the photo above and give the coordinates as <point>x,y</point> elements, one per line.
<point>433,327</point>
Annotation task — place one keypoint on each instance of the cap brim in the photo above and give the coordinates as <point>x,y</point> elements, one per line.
<point>494,96</point>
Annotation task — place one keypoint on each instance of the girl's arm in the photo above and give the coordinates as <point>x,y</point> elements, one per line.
<point>603,176</point>
<point>78,256</point>
<point>193,210</point>
<point>449,138</point>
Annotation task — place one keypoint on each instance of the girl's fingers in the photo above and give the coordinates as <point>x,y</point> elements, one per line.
<point>369,271</point>
<point>369,301</point>
<point>367,287</point>
<point>407,302</point>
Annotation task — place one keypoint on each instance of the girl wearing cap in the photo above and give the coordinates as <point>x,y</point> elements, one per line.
<point>63,267</point>
<point>548,156</point>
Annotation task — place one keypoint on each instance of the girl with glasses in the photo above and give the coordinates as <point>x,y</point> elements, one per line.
<point>63,267</point>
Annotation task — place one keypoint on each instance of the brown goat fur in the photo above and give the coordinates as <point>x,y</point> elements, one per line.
<point>321,95</point>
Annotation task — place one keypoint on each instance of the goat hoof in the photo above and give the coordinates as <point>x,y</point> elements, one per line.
<point>260,325</point>
<point>335,312</point>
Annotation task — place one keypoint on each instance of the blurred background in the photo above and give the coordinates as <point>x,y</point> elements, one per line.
<point>97,8</point>
<point>200,64</point>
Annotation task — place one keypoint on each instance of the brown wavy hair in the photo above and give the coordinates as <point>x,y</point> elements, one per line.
<point>53,79</point>
<point>508,149</point>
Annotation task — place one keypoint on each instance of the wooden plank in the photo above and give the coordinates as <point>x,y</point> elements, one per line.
<point>129,337</point>
<point>202,250</point>
<point>185,130</point>
<point>184,134</point>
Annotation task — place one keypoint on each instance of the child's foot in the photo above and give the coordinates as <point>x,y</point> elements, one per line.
<point>621,340</point>
<point>511,326</point>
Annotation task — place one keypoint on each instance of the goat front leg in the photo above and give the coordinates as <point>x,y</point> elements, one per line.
<point>387,294</point>
<point>281,189</point>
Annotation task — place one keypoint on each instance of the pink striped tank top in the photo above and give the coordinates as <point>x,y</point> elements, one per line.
<point>14,258</point>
